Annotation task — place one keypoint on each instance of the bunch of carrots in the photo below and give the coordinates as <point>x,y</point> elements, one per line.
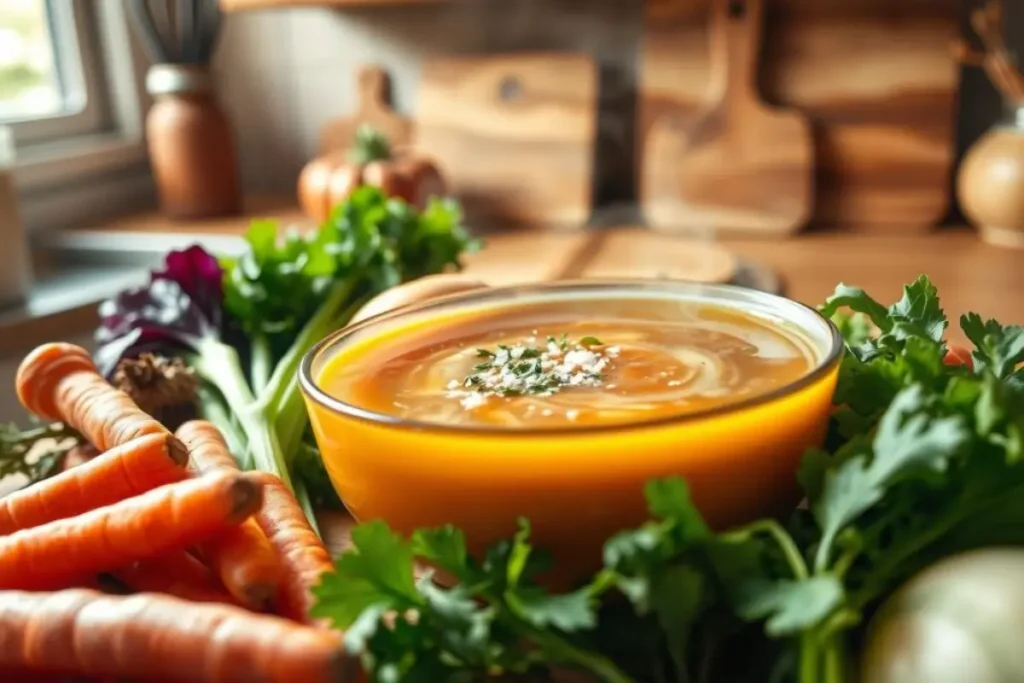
<point>151,556</point>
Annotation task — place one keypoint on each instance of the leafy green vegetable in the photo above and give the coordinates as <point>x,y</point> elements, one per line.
<point>370,145</point>
<point>855,328</point>
<point>304,288</point>
<point>916,314</point>
<point>20,452</point>
<point>908,349</point>
<point>276,284</point>
<point>934,454</point>
<point>998,348</point>
<point>791,606</point>
<point>496,620</point>
<point>283,294</point>
<point>908,440</point>
<point>926,460</point>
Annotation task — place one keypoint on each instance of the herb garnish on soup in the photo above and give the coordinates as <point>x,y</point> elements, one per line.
<point>525,369</point>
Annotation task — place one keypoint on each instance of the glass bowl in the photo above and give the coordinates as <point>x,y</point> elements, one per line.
<point>576,485</point>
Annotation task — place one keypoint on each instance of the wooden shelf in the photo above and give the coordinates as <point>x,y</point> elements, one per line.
<point>280,208</point>
<point>247,5</point>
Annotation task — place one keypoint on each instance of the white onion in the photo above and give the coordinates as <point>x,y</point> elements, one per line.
<point>958,621</point>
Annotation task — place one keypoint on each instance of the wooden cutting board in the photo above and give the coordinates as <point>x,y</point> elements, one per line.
<point>512,258</point>
<point>514,135</point>
<point>372,107</point>
<point>735,165</point>
<point>876,78</point>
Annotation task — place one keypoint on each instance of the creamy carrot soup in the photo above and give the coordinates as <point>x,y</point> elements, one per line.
<point>557,364</point>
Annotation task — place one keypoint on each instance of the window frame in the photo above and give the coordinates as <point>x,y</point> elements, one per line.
<point>75,178</point>
<point>79,63</point>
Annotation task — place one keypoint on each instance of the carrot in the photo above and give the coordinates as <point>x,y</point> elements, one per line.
<point>136,467</point>
<point>83,632</point>
<point>177,573</point>
<point>210,453</point>
<point>958,355</point>
<point>59,381</point>
<point>108,538</point>
<point>242,557</point>
<point>246,564</point>
<point>82,453</point>
<point>302,554</point>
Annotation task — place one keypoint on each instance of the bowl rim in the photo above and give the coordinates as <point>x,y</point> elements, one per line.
<point>775,301</point>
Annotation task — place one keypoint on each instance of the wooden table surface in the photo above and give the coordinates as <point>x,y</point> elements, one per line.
<point>970,275</point>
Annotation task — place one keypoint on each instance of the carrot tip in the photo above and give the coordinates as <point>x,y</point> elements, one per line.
<point>246,496</point>
<point>177,451</point>
<point>41,368</point>
<point>260,598</point>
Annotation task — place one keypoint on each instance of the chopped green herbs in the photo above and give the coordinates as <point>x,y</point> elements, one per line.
<point>531,369</point>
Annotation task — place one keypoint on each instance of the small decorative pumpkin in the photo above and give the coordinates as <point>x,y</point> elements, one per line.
<point>328,180</point>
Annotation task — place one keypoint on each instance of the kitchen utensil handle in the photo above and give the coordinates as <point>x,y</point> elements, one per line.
<point>139,12</point>
<point>160,15</point>
<point>736,30</point>
<point>187,38</point>
<point>210,17</point>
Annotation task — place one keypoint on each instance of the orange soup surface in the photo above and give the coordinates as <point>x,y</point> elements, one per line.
<point>563,364</point>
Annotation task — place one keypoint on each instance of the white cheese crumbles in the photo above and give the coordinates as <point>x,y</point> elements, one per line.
<point>529,369</point>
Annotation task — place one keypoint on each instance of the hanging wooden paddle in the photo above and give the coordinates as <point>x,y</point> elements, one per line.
<point>738,165</point>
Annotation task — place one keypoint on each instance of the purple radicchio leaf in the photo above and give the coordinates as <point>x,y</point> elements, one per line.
<point>200,275</point>
<point>179,307</point>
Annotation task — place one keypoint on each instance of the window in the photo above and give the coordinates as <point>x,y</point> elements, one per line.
<point>51,76</point>
<point>72,94</point>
